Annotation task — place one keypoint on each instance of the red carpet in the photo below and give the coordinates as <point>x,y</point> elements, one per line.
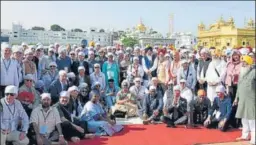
<point>160,135</point>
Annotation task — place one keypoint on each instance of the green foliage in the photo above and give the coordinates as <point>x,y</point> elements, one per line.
<point>38,28</point>
<point>129,41</point>
<point>76,30</point>
<point>56,27</point>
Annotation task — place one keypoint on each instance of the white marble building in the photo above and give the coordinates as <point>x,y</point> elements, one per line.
<point>184,39</point>
<point>18,35</point>
<point>148,36</point>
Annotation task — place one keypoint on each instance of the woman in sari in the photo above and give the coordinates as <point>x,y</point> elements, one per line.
<point>97,119</point>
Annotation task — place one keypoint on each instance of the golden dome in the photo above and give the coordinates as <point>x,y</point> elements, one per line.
<point>141,27</point>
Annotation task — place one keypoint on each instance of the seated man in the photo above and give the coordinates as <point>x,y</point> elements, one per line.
<point>125,101</point>
<point>175,109</point>
<point>139,91</point>
<point>26,99</point>
<point>201,107</point>
<point>152,107</point>
<point>219,114</point>
<point>29,87</point>
<point>98,121</point>
<point>73,128</point>
<point>12,115</point>
<point>187,94</point>
<point>111,92</point>
<point>45,119</point>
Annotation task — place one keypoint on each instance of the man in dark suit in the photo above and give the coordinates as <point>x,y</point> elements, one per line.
<point>175,109</point>
<point>80,62</point>
<point>58,85</point>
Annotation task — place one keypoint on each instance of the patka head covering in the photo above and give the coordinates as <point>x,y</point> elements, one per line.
<point>17,48</point>
<point>53,64</point>
<point>11,89</point>
<point>152,88</point>
<point>45,95</point>
<point>73,88</point>
<point>29,77</point>
<point>27,51</point>
<point>220,89</point>
<point>110,54</point>
<point>135,58</point>
<point>64,94</point>
<point>176,88</point>
<point>244,51</point>
<point>248,59</point>
<point>81,53</point>
<point>81,68</point>
<point>201,92</point>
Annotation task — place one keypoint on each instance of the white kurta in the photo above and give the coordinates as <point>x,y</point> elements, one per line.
<point>212,77</point>
<point>9,73</point>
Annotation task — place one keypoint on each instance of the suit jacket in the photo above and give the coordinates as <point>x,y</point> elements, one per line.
<point>76,64</point>
<point>55,89</point>
<point>86,80</point>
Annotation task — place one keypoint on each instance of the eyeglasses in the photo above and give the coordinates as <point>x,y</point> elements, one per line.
<point>52,66</point>
<point>29,80</point>
<point>72,54</point>
<point>9,94</point>
<point>97,67</point>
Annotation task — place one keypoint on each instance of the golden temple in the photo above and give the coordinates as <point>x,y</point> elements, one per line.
<point>225,34</point>
<point>141,27</point>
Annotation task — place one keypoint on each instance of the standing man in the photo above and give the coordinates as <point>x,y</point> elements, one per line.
<point>13,113</point>
<point>9,69</point>
<point>245,98</point>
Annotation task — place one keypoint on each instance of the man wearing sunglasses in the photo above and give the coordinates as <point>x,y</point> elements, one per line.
<point>12,116</point>
<point>29,87</point>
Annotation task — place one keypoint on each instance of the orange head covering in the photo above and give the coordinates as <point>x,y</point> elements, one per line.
<point>161,50</point>
<point>201,92</point>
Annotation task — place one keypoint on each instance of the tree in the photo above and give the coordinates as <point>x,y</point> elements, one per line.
<point>56,27</point>
<point>38,28</point>
<point>129,41</point>
<point>76,30</point>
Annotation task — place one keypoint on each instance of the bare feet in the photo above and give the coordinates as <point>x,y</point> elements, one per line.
<point>75,139</point>
<point>242,139</point>
<point>145,122</point>
<point>89,136</point>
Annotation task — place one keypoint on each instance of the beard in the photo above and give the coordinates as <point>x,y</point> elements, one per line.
<point>45,105</point>
<point>244,70</point>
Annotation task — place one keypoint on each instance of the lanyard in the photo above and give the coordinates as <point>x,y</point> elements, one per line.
<point>12,112</point>
<point>8,66</point>
<point>45,117</point>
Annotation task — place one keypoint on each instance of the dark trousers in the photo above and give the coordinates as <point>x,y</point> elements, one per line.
<point>69,131</point>
<point>2,89</point>
<point>171,120</point>
<point>233,120</point>
<point>214,124</point>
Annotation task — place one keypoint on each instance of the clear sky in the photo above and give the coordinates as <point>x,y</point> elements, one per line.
<point>122,15</point>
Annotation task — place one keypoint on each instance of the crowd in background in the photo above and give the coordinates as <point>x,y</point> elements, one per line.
<point>69,93</point>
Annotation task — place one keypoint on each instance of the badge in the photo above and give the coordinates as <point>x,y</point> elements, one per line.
<point>43,129</point>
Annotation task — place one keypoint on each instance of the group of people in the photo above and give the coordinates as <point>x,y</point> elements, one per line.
<point>69,93</point>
